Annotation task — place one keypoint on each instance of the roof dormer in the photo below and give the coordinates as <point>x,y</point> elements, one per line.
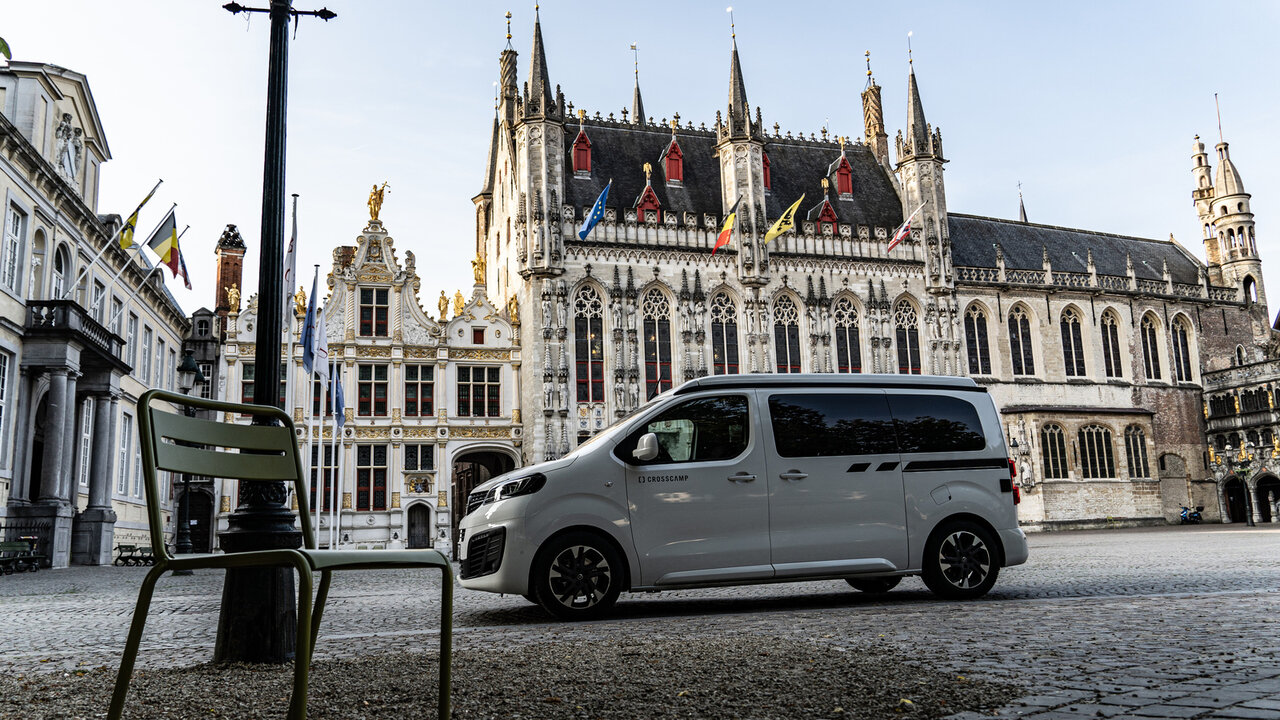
<point>673,163</point>
<point>582,155</point>
<point>648,208</point>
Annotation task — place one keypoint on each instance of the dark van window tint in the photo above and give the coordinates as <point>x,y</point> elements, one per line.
<point>831,424</point>
<point>710,428</point>
<point>936,423</point>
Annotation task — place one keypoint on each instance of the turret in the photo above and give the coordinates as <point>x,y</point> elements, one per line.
<point>873,118</point>
<point>539,155</point>
<point>740,148</point>
<point>1231,223</point>
<point>919,169</point>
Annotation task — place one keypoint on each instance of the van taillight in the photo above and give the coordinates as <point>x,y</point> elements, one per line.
<point>1017,495</point>
<point>1013,473</point>
<point>1013,469</point>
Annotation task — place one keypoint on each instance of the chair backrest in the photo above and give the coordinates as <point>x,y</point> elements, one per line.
<point>179,444</point>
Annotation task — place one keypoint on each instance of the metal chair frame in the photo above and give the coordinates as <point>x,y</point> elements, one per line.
<point>181,444</point>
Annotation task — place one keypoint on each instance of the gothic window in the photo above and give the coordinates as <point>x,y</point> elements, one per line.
<point>373,312</point>
<point>1150,348</point>
<point>1020,342</point>
<point>657,342</point>
<point>323,471</point>
<point>768,179</point>
<point>1072,344</point>
<point>673,159</point>
<point>1180,351</point>
<point>581,157</point>
<point>1054,446</point>
<point>1111,344</point>
<point>975,338</point>
<point>588,355</point>
<point>1135,445</point>
<point>848,342</point>
<point>10,252</point>
<point>1097,459</point>
<point>907,333</point>
<point>1239,355</point>
<point>724,335</point>
<point>786,335</point>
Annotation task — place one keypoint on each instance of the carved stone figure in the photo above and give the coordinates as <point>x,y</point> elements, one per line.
<point>477,267</point>
<point>233,299</point>
<point>458,303</point>
<point>548,394</point>
<point>561,312</point>
<point>635,395</point>
<point>443,304</point>
<point>619,395</point>
<point>375,200</point>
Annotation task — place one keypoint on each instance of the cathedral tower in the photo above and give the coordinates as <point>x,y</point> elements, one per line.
<point>919,169</point>
<point>740,148</point>
<point>1227,222</point>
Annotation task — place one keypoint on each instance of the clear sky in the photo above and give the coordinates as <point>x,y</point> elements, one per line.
<point>1091,105</point>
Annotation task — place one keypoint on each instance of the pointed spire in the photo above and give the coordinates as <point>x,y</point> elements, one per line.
<point>637,103</point>
<point>491,165</point>
<point>917,127</point>
<point>1022,209</point>
<point>543,103</point>
<point>739,110</point>
<point>1228,180</point>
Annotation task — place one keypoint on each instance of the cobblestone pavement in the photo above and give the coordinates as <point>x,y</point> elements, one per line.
<point>1180,622</point>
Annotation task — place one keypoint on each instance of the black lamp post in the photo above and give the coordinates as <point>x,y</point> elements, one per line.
<point>257,619</point>
<point>189,376</point>
<point>1229,464</point>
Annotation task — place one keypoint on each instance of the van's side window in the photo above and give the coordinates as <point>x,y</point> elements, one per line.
<point>709,428</point>
<point>936,423</point>
<point>812,425</point>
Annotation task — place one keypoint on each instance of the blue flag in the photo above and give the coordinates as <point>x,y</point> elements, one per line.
<point>339,403</point>
<point>309,329</point>
<point>596,215</point>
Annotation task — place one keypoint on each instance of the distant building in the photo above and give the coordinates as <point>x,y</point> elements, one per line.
<point>76,348</point>
<point>1095,345</point>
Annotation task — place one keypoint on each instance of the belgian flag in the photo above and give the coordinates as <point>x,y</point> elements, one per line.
<point>726,232</point>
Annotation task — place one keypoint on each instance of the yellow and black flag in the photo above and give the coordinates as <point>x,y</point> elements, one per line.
<point>785,222</point>
<point>130,225</point>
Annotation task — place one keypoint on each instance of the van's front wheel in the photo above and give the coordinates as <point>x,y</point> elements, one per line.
<point>960,561</point>
<point>577,576</point>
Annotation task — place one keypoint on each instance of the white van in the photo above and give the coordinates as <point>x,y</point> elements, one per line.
<point>739,479</point>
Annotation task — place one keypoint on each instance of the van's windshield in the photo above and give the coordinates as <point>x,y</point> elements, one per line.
<point>613,430</point>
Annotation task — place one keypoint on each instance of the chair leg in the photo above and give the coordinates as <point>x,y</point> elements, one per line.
<point>125,674</point>
<point>321,596</point>
<point>444,708</point>
<point>302,647</point>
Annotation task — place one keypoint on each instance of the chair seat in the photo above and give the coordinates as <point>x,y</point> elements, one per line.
<point>359,559</point>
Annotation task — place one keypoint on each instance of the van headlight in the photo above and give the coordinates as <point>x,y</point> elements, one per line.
<point>515,487</point>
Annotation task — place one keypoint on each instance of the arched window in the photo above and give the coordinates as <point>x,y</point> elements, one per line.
<point>1150,348</point>
<point>582,153</point>
<point>724,335</point>
<point>657,342</point>
<point>1072,344</point>
<point>1251,438</point>
<point>1239,355</point>
<point>1097,459</point>
<point>1250,289</point>
<point>848,340</point>
<point>1180,351</point>
<point>908,337</point>
<point>1053,443</point>
<point>786,335</point>
<point>59,273</point>
<point>1111,345</point>
<point>588,355</point>
<point>674,161</point>
<point>768,179</point>
<point>975,338</point>
<point>1020,342</point>
<point>1135,446</point>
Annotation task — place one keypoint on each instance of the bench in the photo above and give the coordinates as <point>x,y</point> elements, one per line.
<point>19,555</point>
<point>133,555</point>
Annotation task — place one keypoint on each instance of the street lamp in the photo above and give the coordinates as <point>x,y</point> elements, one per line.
<point>189,376</point>
<point>1227,463</point>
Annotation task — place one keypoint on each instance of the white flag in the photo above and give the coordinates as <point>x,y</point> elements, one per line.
<point>320,338</point>
<point>290,269</point>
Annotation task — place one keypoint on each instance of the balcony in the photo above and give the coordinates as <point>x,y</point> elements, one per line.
<point>63,321</point>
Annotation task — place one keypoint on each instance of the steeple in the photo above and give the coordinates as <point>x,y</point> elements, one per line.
<point>637,104</point>
<point>540,101</point>
<point>917,127</point>
<point>1022,209</point>
<point>873,118</point>
<point>1228,181</point>
<point>508,89</point>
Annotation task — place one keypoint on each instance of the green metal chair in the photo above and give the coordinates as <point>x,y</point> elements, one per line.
<point>181,444</point>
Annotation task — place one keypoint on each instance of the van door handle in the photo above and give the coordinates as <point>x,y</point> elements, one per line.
<point>742,477</point>
<point>794,475</point>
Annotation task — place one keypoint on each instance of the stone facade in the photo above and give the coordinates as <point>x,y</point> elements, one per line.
<point>1094,345</point>
<point>85,328</point>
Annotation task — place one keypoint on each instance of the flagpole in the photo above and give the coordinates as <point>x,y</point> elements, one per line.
<point>129,262</point>
<point>85,269</point>
<point>333,450</point>
<point>320,456</point>
<point>129,301</point>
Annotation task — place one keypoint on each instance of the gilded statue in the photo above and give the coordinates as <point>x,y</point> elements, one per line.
<point>444,307</point>
<point>458,302</point>
<point>233,298</point>
<point>513,309</point>
<point>375,200</point>
<point>300,302</point>
<point>477,266</point>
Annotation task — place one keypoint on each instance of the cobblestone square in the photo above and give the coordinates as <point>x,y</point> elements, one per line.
<point>1152,622</point>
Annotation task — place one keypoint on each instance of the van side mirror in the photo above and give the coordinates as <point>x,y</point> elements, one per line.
<point>646,448</point>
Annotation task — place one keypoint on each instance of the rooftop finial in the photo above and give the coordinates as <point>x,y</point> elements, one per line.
<point>648,170</point>
<point>509,30</point>
<point>842,139</point>
<point>495,94</point>
<point>868,53</point>
<point>582,117</point>
<point>1218,107</point>
<point>733,30</point>
<point>910,60</point>
<point>635,57</point>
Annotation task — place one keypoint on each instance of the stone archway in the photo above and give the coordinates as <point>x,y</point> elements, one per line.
<point>35,473</point>
<point>1233,499</point>
<point>420,530</point>
<point>470,468</point>
<point>1265,497</point>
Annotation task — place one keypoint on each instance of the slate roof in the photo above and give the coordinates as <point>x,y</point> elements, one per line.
<point>973,241</point>
<point>620,150</point>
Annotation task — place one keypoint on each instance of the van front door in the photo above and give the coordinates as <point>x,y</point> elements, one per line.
<point>835,484</point>
<point>700,509</point>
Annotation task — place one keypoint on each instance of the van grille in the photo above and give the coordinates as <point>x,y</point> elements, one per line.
<point>484,553</point>
<point>475,500</point>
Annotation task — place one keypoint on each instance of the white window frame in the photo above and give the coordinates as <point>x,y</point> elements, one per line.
<point>131,340</point>
<point>86,441</point>
<point>148,338</point>
<point>126,440</point>
<point>5,453</point>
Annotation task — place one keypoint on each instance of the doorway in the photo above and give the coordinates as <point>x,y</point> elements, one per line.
<point>1233,490</point>
<point>419,526</point>
<point>200,514</point>
<point>1266,493</point>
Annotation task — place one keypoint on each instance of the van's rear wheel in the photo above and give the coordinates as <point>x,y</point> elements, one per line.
<point>874,584</point>
<point>960,561</point>
<point>577,576</point>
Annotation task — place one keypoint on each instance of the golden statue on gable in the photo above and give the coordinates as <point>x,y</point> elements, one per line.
<point>300,302</point>
<point>477,266</point>
<point>375,200</point>
<point>458,303</point>
<point>233,299</point>
<point>513,309</point>
<point>444,307</point>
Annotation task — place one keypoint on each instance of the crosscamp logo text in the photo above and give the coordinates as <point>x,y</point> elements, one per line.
<point>662,478</point>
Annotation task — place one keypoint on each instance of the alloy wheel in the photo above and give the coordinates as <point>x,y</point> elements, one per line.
<point>964,559</point>
<point>579,577</point>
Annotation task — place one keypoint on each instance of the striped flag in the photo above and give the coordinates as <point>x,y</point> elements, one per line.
<point>164,241</point>
<point>726,232</point>
<point>903,231</point>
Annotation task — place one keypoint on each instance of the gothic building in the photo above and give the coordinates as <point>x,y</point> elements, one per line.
<point>1093,344</point>
<point>432,403</point>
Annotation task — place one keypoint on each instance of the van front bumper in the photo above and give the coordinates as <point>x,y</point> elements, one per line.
<point>494,556</point>
<point>1014,541</point>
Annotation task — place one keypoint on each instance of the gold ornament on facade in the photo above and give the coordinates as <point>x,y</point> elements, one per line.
<point>513,309</point>
<point>443,304</point>
<point>479,354</point>
<point>350,413</point>
<point>300,302</point>
<point>346,501</point>
<point>233,299</point>
<point>395,500</point>
<point>225,504</point>
<point>483,433</point>
<point>477,267</point>
<point>515,416</point>
<point>395,415</point>
<point>375,200</point>
<point>375,351</point>
<point>442,500</point>
<point>458,303</point>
